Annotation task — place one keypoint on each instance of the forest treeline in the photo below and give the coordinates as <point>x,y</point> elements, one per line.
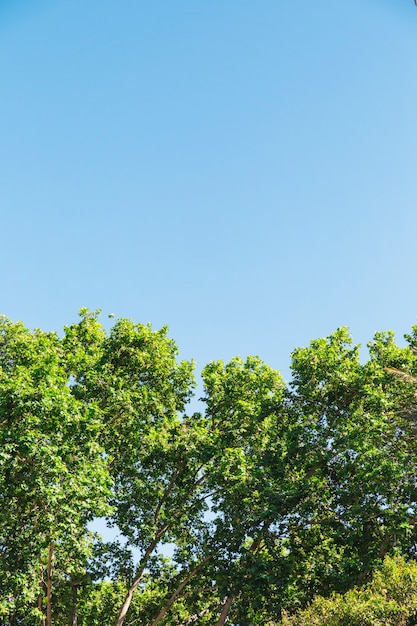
<point>288,504</point>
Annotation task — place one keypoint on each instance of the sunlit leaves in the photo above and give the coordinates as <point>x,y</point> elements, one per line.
<point>272,495</point>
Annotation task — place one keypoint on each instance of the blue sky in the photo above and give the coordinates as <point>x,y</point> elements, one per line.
<point>242,171</point>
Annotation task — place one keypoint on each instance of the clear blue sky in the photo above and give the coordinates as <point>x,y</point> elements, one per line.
<point>242,170</point>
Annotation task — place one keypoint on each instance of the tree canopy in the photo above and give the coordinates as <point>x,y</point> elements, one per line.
<point>273,495</point>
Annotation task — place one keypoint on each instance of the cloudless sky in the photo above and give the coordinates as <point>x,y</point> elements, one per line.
<point>242,170</point>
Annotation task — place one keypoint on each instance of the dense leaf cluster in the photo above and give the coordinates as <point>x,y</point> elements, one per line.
<point>276,494</point>
<point>391,598</point>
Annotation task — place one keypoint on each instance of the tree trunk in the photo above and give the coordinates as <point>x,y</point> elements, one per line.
<point>74,612</point>
<point>178,591</point>
<point>229,601</point>
<point>41,595</point>
<point>225,612</point>
<point>126,604</point>
<point>49,586</point>
<point>196,616</point>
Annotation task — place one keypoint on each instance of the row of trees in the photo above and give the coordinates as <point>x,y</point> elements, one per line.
<point>274,495</point>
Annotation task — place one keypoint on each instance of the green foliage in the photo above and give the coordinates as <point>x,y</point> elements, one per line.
<point>358,494</point>
<point>276,494</point>
<point>53,474</point>
<point>391,598</point>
